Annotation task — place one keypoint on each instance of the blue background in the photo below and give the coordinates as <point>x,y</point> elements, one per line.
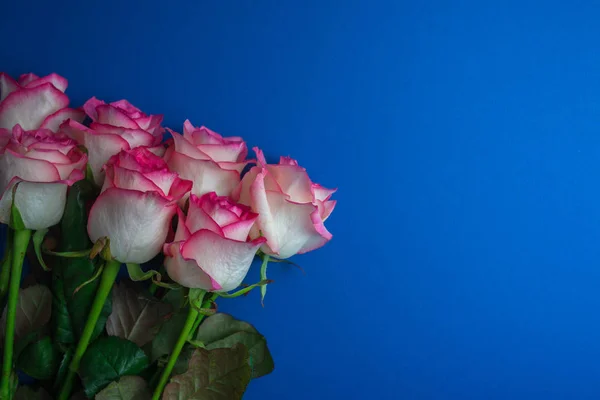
<point>463,137</point>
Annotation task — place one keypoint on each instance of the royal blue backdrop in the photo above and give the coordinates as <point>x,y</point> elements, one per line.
<point>464,138</point>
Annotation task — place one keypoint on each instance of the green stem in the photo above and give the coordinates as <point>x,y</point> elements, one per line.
<point>193,315</point>
<point>206,304</point>
<point>6,263</point>
<point>153,289</point>
<point>106,283</point>
<point>20,241</point>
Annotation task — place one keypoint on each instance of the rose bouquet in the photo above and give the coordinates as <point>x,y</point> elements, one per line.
<point>131,241</point>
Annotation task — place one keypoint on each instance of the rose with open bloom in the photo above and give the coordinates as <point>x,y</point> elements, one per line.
<point>35,102</point>
<point>116,126</point>
<point>137,203</point>
<point>43,164</point>
<point>212,162</point>
<point>292,210</point>
<point>211,249</point>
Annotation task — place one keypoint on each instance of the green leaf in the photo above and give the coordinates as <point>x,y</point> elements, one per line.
<point>245,290</point>
<point>38,240</point>
<point>80,395</point>
<point>33,310</point>
<point>135,317</point>
<point>167,336</point>
<point>224,331</point>
<point>69,254</point>
<point>63,368</point>
<point>219,374</point>
<point>89,175</point>
<point>71,309</point>
<point>176,298</point>
<point>25,341</point>
<point>27,393</point>
<point>195,297</point>
<point>61,322</point>
<point>263,276</point>
<point>171,286</point>
<point>96,275</point>
<point>136,273</point>
<point>16,221</point>
<point>108,359</point>
<point>127,388</point>
<point>39,360</point>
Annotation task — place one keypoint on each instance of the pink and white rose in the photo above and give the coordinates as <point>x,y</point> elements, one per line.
<point>137,203</point>
<point>291,208</point>
<point>35,102</point>
<point>43,164</point>
<point>213,162</point>
<point>116,126</point>
<point>211,249</point>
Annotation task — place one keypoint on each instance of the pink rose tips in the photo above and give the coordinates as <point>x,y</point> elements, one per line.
<point>212,162</point>
<point>43,164</point>
<point>116,126</point>
<point>138,200</point>
<point>292,210</point>
<point>35,102</point>
<point>138,184</point>
<point>211,250</point>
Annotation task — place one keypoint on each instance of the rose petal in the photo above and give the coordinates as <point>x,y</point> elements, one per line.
<point>239,230</point>
<point>230,152</point>
<point>53,121</point>
<point>314,242</point>
<point>321,193</point>
<point>65,165</point>
<point>241,194</point>
<point>226,261</point>
<point>198,219</point>
<point>180,188</point>
<point>124,178</point>
<point>293,181</point>
<point>52,156</point>
<point>140,159</point>
<point>16,165</point>
<point>100,147</point>
<point>41,205</point>
<point>151,124</point>
<point>207,176</point>
<point>221,215</point>
<point>109,115</point>
<point>260,156</point>
<point>163,179</point>
<point>183,146</point>
<point>287,161</point>
<point>54,79</point>
<point>288,227</point>
<point>158,150</point>
<point>5,136</point>
<point>188,129</point>
<point>29,107</point>
<point>182,232</point>
<point>234,166</point>
<point>136,223</point>
<point>203,135</point>
<point>27,78</point>
<point>127,107</point>
<point>135,137</point>
<point>7,85</point>
<point>186,272</point>
<point>326,208</point>
<point>90,107</point>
